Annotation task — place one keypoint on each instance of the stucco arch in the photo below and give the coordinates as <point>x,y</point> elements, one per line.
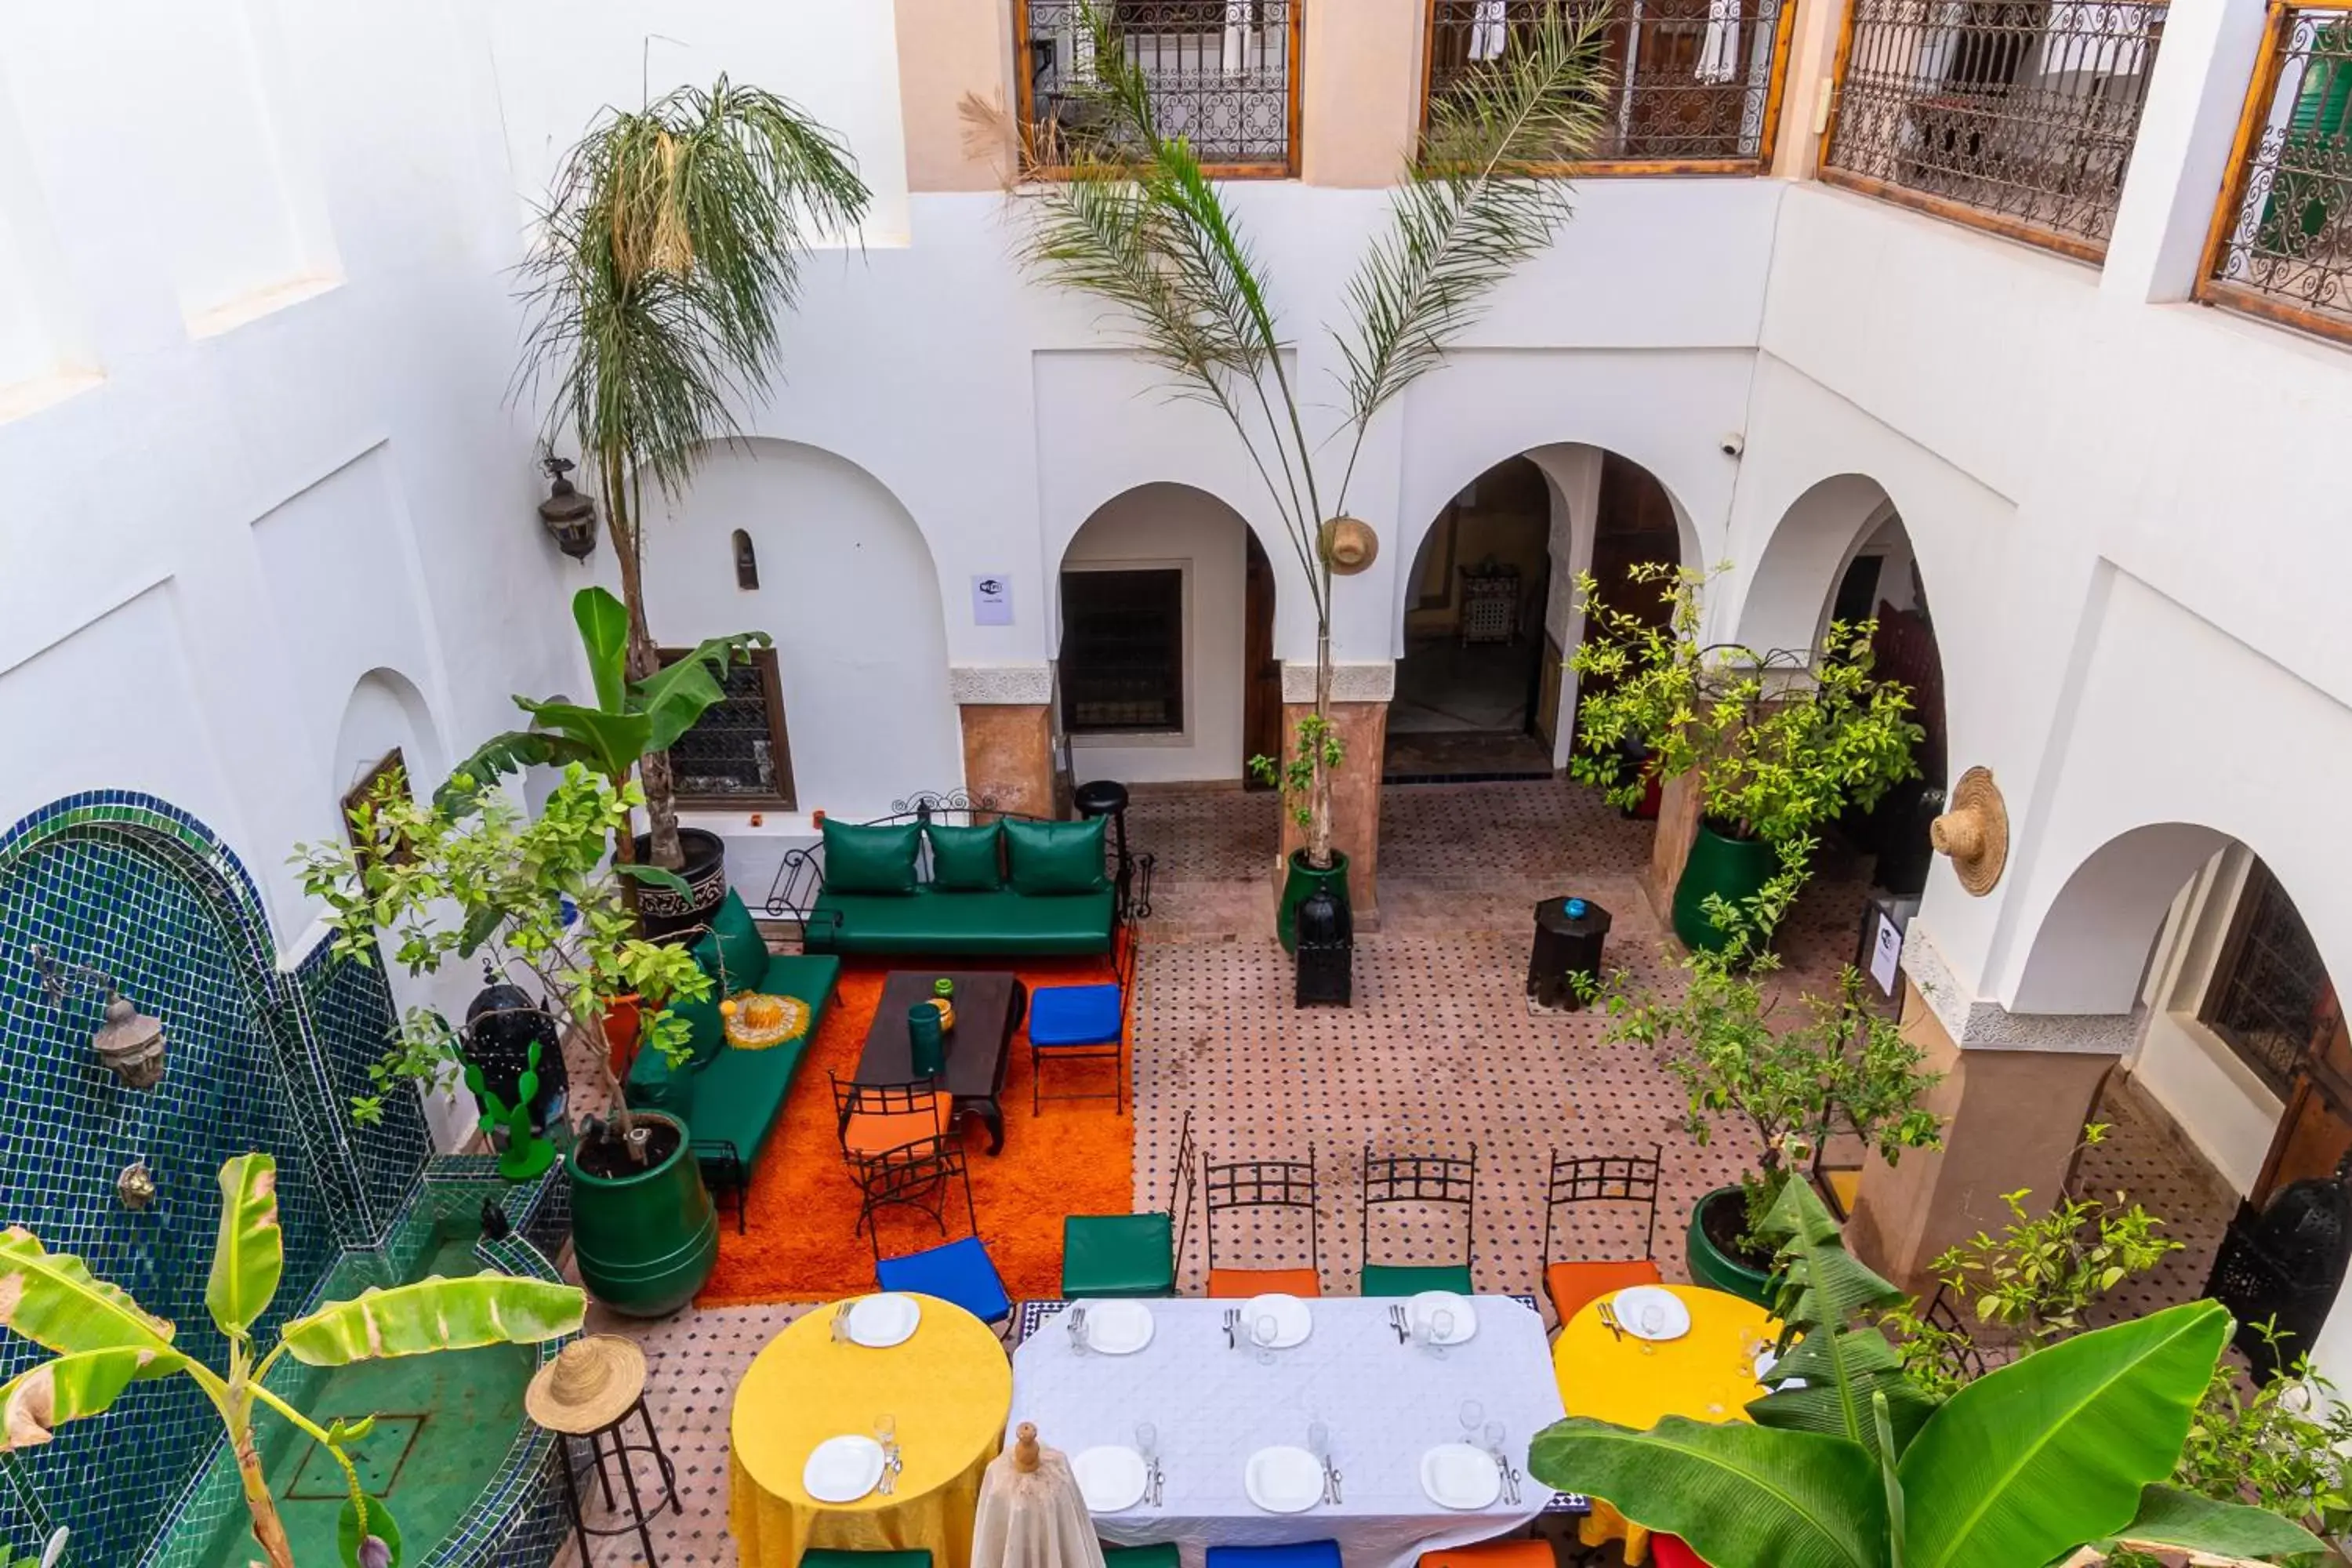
<point>1786,599</point>
<point>385,710</point>
<point>2087,952</point>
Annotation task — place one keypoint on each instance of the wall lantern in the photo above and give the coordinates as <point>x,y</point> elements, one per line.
<point>569,517</point>
<point>129,1044</point>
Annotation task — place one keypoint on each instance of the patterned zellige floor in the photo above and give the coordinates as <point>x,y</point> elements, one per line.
<point>1439,1052</point>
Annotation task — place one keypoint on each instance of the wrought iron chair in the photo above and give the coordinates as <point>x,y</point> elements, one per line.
<point>1425,1182</point>
<point>1132,1254</point>
<point>1084,1023</point>
<point>927,1176</point>
<point>1967,1356</point>
<point>872,1119</point>
<point>1262,1184</point>
<point>1580,1179</point>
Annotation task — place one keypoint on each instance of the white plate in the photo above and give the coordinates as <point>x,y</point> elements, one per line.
<point>1456,1475</point>
<point>1765,1362</point>
<point>878,1323</point>
<point>1292,1321</point>
<point>1650,1312</point>
<point>1425,1307</point>
<point>1284,1480</point>
<point>1118,1328</point>
<point>842,1470</point>
<point>1112,1479</point>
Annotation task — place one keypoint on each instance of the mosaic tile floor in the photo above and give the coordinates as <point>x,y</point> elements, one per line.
<point>1439,1051</point>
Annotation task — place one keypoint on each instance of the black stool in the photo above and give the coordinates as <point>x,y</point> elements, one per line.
<point>580,1393</point>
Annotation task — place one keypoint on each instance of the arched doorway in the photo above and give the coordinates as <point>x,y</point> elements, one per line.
<point>1489,609</point>
<point>1841,553</point>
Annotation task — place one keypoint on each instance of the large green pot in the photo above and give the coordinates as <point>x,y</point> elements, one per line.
<point>1737,869</point>
<point>645,1241</point>
<point>1711,1265</point>
<point>1300,885</point>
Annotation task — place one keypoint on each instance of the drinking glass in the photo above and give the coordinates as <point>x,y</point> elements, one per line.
<point>1472,1412</point>
<point>1440,1328</point>
<point>1319,1439</point>
<point>1494,1432</point>
<point>1147,1441</point>
<point>1266,1331</point>
<point>841,1326</point>
<point>886,1431</point>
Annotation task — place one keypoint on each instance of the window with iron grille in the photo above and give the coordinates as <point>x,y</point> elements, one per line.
<point>390,845</point>
<point>1694,79</point>
<point>2270,986</point>
<point>736,753</point>
<point>1223,74</point>
<point>1122,665</point>
<point>2014,115</point>
<point>2281,245</point>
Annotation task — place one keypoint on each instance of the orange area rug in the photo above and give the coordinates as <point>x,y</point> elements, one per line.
<point>803,1242</point>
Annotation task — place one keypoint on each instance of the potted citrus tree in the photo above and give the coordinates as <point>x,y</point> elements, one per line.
<point>477,875</point>
<point>1782,742</point>
<point>1825,1067</point>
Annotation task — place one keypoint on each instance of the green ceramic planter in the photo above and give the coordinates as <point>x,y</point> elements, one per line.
<point>646,1241</point>
<point>1716,1270</point>
<point>1300,885</point>
<point>1737,869</point>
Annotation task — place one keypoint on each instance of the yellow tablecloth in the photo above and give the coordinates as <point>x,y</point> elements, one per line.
<point>950,1388</point>
<point>1708,1375</point>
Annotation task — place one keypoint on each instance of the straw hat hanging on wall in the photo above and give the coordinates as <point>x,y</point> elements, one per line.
<point>1974,832</point>
<point>1350,544</point>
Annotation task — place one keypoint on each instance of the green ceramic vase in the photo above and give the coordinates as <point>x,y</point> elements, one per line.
<point>1737,869</point>
<point>1716,1270</point>
<point>645,1241</point>
<point>1300,885</point>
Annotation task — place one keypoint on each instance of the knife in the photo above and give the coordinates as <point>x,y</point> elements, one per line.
<point>1609,1318</point>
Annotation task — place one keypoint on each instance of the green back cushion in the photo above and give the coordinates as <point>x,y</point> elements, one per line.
<point>877,859</point>
<point>732,952</point>
<point>967,860</point>
<point>1056,857</point>
<point>710,1030</point>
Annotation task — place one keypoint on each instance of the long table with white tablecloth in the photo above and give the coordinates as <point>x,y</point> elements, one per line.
<point>1383,1404</point>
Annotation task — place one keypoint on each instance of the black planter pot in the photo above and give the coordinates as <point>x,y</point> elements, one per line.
<point>664,913</point>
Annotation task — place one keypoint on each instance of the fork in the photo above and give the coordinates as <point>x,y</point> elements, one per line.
<point>1609,1318</point>
<point>1396,1322</point>
<point>1076,1321</point>
<point>1233,1322</point>
<point>891,1466</point>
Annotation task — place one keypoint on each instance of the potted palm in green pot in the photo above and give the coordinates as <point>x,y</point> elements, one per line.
<point>475,875</point>
<point>1782,741</point>
<point>1826,1066</point>
<point>670,248</point>
<point>1122,210</point>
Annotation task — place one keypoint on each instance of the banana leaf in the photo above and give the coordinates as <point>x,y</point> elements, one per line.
<point>53,1300</point>
<point>2170,1517</point>
<point>1735,1493</point>
<point>496,758</point>
<point>2030,1461</point>
<point>437,1314</point>
<point>609,742</point>
<point>33,1404</point>
<point>603,623</point>
<point>680,693</point>
<point>1822,1289</point>
<point>250,1252</point>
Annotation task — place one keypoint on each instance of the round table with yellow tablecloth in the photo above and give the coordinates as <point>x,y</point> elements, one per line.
<point>1707,1374</point>
<point>949,1387</point>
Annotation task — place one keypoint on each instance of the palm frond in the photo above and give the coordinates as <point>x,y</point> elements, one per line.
<point>1469,209</point>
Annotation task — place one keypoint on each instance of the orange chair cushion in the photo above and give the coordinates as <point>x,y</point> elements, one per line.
<point>1244,1283</point>
<point>1572,1285</point>
<point>879,1132</point>
<point>1492,1554</point>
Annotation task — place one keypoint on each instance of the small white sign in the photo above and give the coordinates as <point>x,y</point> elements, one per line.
<point>1885,953</point>
<point>991,599</point>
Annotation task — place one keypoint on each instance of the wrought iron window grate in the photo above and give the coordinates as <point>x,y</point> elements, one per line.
<point>1694,81</point>
<point>736,753</point>
<point>2270,989</point>
<point>1122,661</point>
<point>2015,115</point>
<point>2282,236</point>
<point>1223,74</point>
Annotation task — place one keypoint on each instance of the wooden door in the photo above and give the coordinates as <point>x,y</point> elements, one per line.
<point>1261,671</point>
<point>2316,1132</point>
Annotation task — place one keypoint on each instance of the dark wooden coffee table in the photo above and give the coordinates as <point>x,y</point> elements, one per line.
<point>989,1007</point>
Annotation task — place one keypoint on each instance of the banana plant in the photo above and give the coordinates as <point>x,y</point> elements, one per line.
<point>101,1341</point>
<point>632,719</point>
<point>2063,1451</point>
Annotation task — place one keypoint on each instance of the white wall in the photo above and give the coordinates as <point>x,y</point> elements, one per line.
<point>1174,525</point>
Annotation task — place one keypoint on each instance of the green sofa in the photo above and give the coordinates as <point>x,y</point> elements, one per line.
<point>730,1099</point>
<point>1015,888</point>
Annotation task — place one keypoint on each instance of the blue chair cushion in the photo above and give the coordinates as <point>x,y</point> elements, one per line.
<point>1076,1015</point>
<point>960,1271</point>
<point>1300,1555</point>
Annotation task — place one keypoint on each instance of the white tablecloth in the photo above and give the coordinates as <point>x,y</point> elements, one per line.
<point>1384,1402</point>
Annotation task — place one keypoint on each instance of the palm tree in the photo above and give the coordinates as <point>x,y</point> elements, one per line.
<point>672,243</point>
<point>1121,212</point>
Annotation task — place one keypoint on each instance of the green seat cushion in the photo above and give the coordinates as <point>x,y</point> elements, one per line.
<point>877,860</point>
<point>1056,857</point>
<point>707,1028</point>
<point>1118,1255</point>
<point>1160,1554</point>
<point>967,860</point>
<point>732,952</point>
<point>1392,1279</point>
<point>839,1557</point>
<point>737,1096</point>
<point>970,925</point>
